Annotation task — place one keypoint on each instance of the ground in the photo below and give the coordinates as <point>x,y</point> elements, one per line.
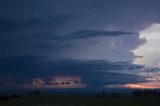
<point>52,100</point>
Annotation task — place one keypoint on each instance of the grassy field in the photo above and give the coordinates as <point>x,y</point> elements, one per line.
<point>50,100</point>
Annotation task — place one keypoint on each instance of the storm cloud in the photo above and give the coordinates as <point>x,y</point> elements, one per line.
<point>93,40</point>
<point>93,72</point>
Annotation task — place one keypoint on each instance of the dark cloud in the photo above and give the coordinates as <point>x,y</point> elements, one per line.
<point>44,43</point>
<point>99,72</point>
<point>28,44</point>
<point>30,36</point>
<point>38,32</point>
<point>85,38</point>
<point>93,73</point>
<point>95,33</point>
<point>54,21</point>
<point>113,48</point>
<point>94,65</point>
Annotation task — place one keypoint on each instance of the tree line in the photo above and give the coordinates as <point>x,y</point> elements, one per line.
<point>101,95</point>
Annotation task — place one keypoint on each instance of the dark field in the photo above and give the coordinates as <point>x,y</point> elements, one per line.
<point>52,100</point>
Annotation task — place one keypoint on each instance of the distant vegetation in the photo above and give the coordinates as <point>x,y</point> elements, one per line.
<point>36,98</point>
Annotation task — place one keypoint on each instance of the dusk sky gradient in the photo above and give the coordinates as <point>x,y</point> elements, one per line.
<point>79,44</point>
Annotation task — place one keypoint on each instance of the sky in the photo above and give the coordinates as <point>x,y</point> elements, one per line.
<point>79,44</point>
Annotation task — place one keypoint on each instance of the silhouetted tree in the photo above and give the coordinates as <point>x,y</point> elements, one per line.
<point>13,96</point>
<point>115,95</point>
<point>103,94</point>
<point>4,97</point>
<point>98,96</point>
<point>37,92</point>
<point>150,93</point>
<point>137,93</point>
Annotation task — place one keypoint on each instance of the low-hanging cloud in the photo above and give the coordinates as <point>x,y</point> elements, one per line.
<point>93,72</point>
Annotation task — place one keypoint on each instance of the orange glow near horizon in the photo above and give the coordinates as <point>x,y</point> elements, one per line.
<point>147,85</point>
<point>140,86</point>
